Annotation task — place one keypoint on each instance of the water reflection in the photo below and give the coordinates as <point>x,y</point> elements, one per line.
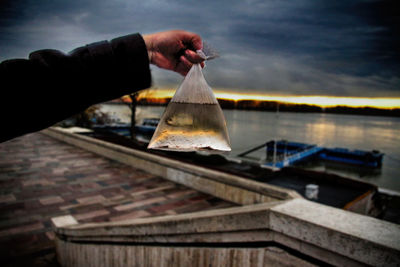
<point>251,128</point>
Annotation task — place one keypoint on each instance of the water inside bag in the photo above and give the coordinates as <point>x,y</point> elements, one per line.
<point>191,127</point>
<point>193,120</point>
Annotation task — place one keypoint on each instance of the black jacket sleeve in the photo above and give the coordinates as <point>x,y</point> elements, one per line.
<point>51,86</point>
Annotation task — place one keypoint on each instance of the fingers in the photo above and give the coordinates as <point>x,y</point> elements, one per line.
<point>193,57</point>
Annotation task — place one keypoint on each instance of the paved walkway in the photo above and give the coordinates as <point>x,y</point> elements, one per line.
<point>41,178</point>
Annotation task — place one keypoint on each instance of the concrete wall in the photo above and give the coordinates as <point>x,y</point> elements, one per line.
<point>306,230</point>
<point>159,256</point>
<point>225,186</point>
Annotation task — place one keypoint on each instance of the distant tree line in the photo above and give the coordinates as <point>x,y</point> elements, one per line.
<point>285,107</point>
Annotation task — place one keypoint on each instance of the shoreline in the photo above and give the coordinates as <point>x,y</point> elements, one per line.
<point>272,106</point>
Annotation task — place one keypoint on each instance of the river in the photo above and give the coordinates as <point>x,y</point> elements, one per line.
<point>251,128</point>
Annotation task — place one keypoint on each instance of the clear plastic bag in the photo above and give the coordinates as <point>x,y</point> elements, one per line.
<point>193,120</point>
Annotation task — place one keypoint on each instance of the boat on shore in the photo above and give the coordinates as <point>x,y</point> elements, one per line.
<point>123,129</point>
<point>282,153</point>
<point>371,159</point>
<point>146,128</point>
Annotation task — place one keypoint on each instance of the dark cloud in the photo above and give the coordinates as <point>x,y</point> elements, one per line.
<point>292,47</point>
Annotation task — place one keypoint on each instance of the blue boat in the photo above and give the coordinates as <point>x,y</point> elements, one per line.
<point>283,153</point>
<point>148,126</point>
<point>118,128</point>
<point>371,159</point>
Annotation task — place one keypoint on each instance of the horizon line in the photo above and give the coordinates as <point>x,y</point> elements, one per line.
<point>315,100</point>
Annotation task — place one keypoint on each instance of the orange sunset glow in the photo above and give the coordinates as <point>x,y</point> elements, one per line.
<point>322,101</point>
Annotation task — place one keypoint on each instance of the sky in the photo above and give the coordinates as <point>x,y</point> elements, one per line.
<point>299,47</point>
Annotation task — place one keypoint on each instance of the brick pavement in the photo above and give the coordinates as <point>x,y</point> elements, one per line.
<point>41,178</point>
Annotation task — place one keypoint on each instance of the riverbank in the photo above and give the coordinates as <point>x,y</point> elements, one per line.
<point>249,129</point>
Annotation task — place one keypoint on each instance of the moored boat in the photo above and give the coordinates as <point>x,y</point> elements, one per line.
<point>284,153</point>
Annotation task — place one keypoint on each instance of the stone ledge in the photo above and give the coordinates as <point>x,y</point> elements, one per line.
<point>221,220</point>
<point>365,239</point>
<point>328,234</point>
<point>226,186</point>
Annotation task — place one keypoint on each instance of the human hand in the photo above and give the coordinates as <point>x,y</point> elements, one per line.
<point>174,50</point>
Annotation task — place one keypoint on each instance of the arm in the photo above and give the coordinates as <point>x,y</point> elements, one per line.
<point>51,86</point>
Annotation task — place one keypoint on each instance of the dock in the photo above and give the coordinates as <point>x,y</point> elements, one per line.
<point>292,159</point>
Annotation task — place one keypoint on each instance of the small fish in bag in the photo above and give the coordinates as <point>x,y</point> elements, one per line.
<point>193,119</point>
